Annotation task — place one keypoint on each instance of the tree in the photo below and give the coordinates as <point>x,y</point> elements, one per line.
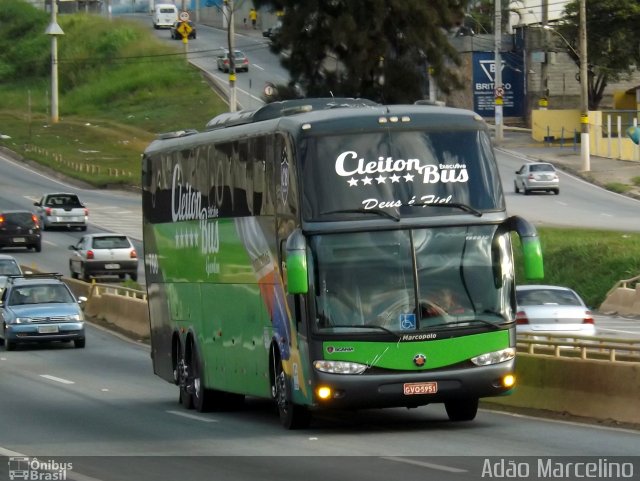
<point>377,49</point>
<point>613,44</point>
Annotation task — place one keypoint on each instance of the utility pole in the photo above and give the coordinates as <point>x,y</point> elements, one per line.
<point>232,61</point>
<point>544,67</point>
<point>584,90</point>
<point>54,31</point>
<point>497,79</point>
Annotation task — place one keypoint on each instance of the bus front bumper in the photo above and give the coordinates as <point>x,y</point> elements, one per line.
<point>413,388</point>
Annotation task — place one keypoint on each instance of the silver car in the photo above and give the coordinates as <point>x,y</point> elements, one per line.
<point>552,309</point>
<point>537,176</point>
<point>40,308</point>
<point>106,254</point>
<point>62,209</point>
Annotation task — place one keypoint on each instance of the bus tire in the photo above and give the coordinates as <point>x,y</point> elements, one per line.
<point>204,400</point>
<point>292,416</point>
<point>184,397</point>
<point>462,409</point>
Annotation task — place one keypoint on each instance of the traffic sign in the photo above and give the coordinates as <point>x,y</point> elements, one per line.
<point>185,29</point>
<point>184,16</point>
<point>499,92</point>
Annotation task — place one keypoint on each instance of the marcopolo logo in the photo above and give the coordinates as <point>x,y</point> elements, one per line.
<point>23,467</point>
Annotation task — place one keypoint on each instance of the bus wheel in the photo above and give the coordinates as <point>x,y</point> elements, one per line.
<point>204,400</point>
<point>292,416</point>
<point>462,409</point>
<point>185,398</point>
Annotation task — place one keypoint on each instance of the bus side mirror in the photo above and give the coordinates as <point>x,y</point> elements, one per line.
<point>531,249</point>
<point>296,264</point>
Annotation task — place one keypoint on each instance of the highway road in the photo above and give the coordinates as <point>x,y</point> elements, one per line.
<point>60,402</point>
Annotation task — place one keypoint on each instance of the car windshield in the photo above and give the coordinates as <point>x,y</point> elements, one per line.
<point>538,297</point>
<point>112,242</point>
<point>40,294</point>
<point>64,200</point>
<point>411,281</point>
<point>9,267</point>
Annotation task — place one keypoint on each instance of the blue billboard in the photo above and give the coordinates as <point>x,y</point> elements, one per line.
<point>513,82</point>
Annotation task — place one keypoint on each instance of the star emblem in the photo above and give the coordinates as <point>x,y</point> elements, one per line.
<point>367,181</point>
<point>408,177</point>
<point>394,178</point>
<point>352,182</point>
<point>380,179</point>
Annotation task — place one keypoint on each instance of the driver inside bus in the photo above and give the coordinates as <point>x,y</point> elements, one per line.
<point>441,302</point>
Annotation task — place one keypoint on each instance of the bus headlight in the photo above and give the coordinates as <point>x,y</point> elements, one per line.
<point>494,357</point>
<point>339,367</point>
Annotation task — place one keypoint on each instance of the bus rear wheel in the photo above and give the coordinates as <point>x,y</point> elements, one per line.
<point>292,416</point>
<point>182,376</point>
<point>462,409</point>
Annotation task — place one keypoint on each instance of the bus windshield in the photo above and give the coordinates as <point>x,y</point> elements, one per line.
<point>404,172</point>
<point>412,281</point>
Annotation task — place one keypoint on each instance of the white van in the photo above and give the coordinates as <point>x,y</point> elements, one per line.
<point>164,15</point>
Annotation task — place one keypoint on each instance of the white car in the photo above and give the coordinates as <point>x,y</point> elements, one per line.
<point>106,254</point>
<point>552,310</point>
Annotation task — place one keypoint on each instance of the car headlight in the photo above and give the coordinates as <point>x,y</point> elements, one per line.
<point>495,357</point>
<point>21,320</point>
<point>339,367</point>
<point>75,317</point>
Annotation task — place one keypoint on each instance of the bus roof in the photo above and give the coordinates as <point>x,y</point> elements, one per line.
<point>284,108</point>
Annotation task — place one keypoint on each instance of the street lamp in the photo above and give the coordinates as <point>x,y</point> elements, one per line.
<point>54,30</point>
<point>550,28</point>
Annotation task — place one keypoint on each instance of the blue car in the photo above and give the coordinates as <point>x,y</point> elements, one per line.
<point>40,308</point>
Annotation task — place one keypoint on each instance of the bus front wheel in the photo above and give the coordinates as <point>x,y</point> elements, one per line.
<point>462,409</point>
<point>292,416</point>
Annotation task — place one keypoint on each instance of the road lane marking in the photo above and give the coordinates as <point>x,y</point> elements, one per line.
<point>193,416</point>
<point>257,66</point>
<point>56,379</point>
<point>439,467</point>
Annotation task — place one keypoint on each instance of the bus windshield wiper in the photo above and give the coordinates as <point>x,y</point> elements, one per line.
<point>458,205</point>
<point>380,212</point>
<point>463,322</point>
<point>367,326</point>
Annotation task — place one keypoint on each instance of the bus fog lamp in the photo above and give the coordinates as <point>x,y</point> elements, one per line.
<point>495,357</point>
<point>324,392</point>
<point>339,367</point>
<point>509,380</point>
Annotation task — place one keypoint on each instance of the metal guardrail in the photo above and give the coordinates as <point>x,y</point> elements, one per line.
<point>623,283</point>
<point>580,347</point>
<point>116,290</point>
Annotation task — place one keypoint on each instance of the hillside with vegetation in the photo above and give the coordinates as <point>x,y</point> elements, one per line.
<point>119,86</point>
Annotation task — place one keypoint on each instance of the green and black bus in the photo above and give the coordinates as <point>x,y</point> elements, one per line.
<point>332,254</point>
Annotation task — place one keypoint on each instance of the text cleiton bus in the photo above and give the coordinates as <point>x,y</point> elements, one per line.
<point>332,254</point>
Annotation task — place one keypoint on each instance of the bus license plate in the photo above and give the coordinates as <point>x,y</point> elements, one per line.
<point>112,266</point>
<point>411,388</point>
<point>47,329</point>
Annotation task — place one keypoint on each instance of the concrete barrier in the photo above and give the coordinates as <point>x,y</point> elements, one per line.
<point>599,390</point>
<point>623,300</point>
<point>128,314</point>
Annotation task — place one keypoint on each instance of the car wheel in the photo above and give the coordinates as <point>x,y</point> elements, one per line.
<point>37,247</point>
<point>462,410</point>
<point>526,191</point>
<point>133,276</point>
<point>556,191</point>
<point>515,187</point>
<point>80,343</point>
<point>83,228</point>
<point>292,416</point>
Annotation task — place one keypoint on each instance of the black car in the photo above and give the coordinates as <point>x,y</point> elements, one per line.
<point>177,34</point>
<point>20,228</point>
